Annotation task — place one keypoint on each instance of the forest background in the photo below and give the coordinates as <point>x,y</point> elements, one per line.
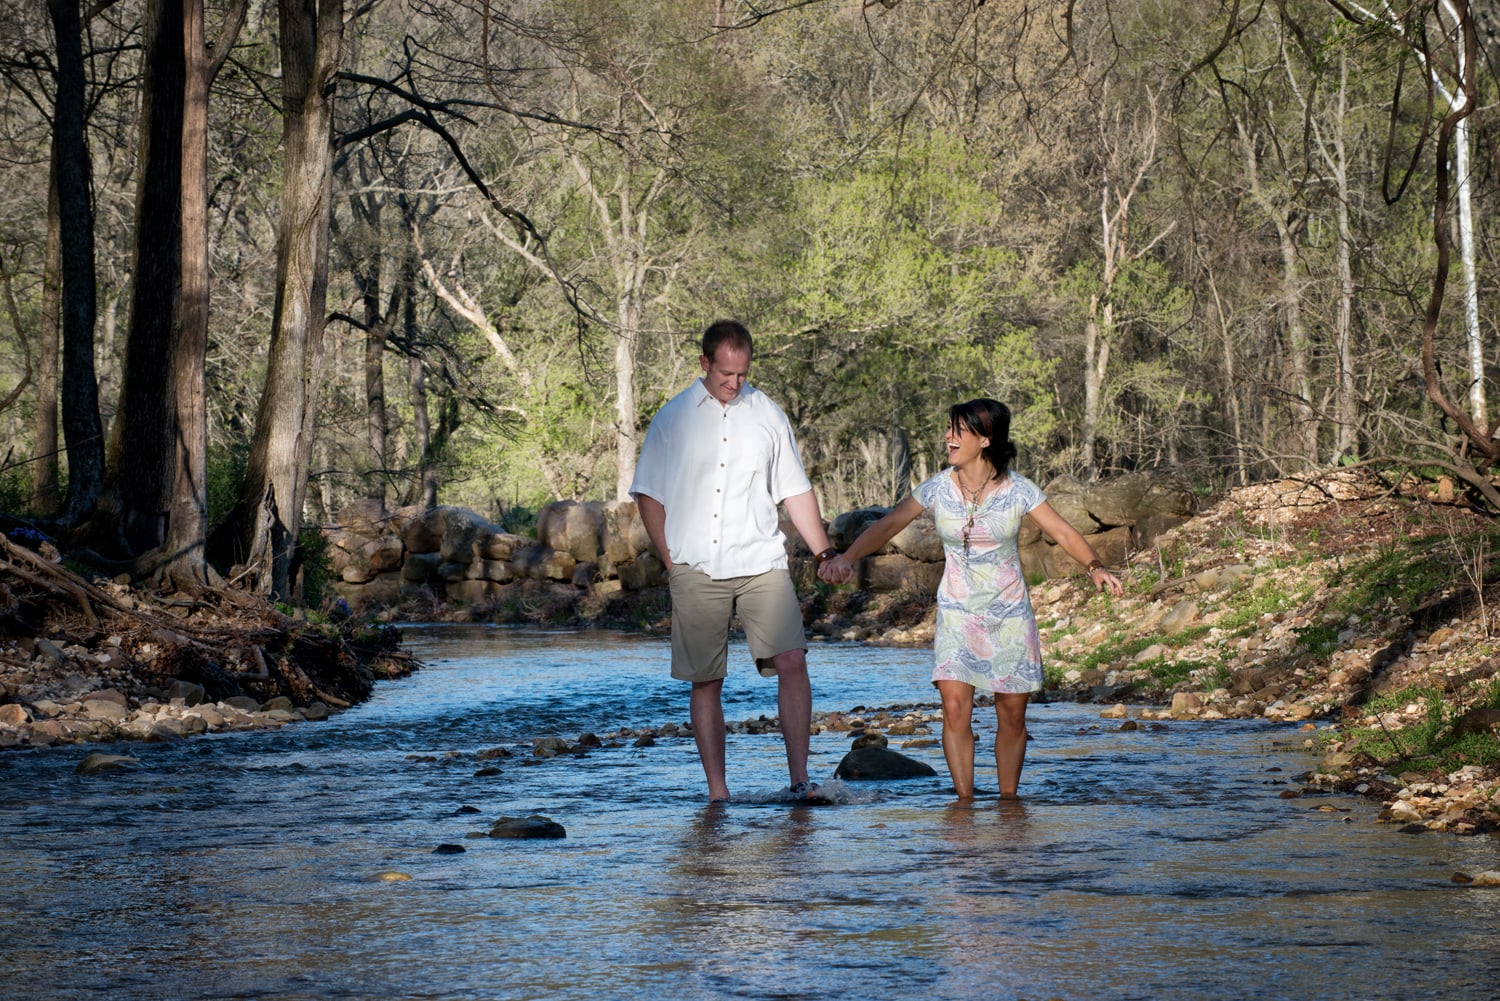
<point>260,261</point>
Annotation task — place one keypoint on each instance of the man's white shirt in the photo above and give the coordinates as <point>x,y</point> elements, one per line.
<point>720,471</point>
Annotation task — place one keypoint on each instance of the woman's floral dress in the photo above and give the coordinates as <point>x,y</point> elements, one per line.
<point>986,633</point>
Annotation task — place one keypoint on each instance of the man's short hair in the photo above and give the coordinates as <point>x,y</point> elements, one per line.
<point>730,332</point>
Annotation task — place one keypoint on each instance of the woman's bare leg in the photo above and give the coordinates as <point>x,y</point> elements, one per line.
<point>958,735</point>
<point>1010,740</point>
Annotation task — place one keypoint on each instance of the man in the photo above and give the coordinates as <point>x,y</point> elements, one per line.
<point>718,458</point>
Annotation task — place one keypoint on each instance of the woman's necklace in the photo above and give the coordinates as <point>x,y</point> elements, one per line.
<point>971,505</point>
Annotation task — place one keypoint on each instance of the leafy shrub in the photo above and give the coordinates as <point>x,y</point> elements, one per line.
<point>316,567</point>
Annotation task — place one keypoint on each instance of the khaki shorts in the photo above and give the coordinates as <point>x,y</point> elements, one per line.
<point>703,607</point>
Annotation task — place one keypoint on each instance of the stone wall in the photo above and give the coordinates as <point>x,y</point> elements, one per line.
<point>451,554</point>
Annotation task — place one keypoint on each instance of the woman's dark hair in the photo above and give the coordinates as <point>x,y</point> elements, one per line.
<point>988,419</point>
<point>722,332</point>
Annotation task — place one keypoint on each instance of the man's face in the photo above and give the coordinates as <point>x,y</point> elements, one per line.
<point>725,373</point>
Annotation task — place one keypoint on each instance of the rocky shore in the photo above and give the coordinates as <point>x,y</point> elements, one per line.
<point>86,660</point>
<point>1342,604</point>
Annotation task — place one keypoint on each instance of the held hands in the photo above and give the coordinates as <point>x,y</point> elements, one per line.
<point>836,570</point>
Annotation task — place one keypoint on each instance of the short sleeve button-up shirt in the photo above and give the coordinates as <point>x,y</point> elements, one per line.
<point>720,470</point>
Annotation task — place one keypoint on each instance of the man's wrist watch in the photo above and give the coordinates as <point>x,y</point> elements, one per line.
<point>825,555</point>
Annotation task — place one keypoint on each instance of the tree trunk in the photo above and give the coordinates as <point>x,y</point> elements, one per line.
<point>1299,347</point>
<point>627,442</point>
<point>1478,406</point>
<point>377,328</point>
<point>900,466</point>
<point>44,496</point>
<point>82,429</point>
<point>270,506</point>
<point>421,426</point>
<point>1097,331</point>
<point>187,520</point>
<point>1347,443</point>
<point>138,485</point>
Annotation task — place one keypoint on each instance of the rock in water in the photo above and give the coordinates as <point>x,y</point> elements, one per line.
<point>871,763</point>
<point>527,827</point>
<point>97,762</point>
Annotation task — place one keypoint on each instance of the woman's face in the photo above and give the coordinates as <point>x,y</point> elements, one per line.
<point>964,446</point>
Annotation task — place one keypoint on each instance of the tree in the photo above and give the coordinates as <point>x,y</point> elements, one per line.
<point>82,428</point>
<point>268,516</point>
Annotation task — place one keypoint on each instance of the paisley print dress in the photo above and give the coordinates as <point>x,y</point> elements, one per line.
<point>986,633</point>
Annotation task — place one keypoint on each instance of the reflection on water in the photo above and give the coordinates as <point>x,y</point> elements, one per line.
<point>1157,864</point>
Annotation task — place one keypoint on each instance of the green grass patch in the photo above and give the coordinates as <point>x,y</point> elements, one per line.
<point>1406,573</point>
<point>1111,653</point>
<point>1318,640</point>
<point>1168,673</point>
<point>1433,743</point>
<point>1268,599</point>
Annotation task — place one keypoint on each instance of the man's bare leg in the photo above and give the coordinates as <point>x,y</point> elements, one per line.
<point>707,713</point>
<point>794,708</point>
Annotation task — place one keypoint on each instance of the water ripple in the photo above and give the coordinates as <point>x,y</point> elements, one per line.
<point>1157,863</point>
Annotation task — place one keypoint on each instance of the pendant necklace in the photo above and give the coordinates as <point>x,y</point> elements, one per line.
<point>971,509</point>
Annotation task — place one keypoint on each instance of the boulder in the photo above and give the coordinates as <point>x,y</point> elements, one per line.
<point>1112,545</point>
<point>872,763</point>
<point>573,528</point>
<point>534,826</point>
<point>364,516</point>
<point>383,553</point>
<point>895,572</point>
<point>422,567</point>
<point>451,571</point>
<point>96,762</point>
<point>382,589</point>
<point>527,560</point>
<point>622,535</point>
<point>472,592</point>
<point>642,572</point>
<point>424,534</point>
<point>845,528</point>
<point>498,571</point>
<point>462,529</point>
<point>1182,615</point>
<point>190,692</point>
<point>919,540</point>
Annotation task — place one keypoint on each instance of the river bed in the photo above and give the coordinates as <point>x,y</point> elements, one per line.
<point>1161,863</point>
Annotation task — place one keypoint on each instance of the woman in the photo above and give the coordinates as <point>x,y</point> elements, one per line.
<point>986,635</point>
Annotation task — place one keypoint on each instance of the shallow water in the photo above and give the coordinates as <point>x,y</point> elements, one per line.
<point>1154,864</point>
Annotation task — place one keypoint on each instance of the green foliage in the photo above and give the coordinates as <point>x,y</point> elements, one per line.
<point>1319,640</point>
<point>15,490</point>
<point>316,568</point>
<point>1249,607</point>
<point>1400,575</point>
<point>1168,673</point>
<point>519,519</point>
<point>1434,743</point>
<point>903,297</point>
<point>225,471</point>
<point>1114,651</point>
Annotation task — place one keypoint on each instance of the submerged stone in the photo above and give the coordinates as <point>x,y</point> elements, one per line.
<point>97,762</point>
<point>873,763</point>
<point>534,826</point>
